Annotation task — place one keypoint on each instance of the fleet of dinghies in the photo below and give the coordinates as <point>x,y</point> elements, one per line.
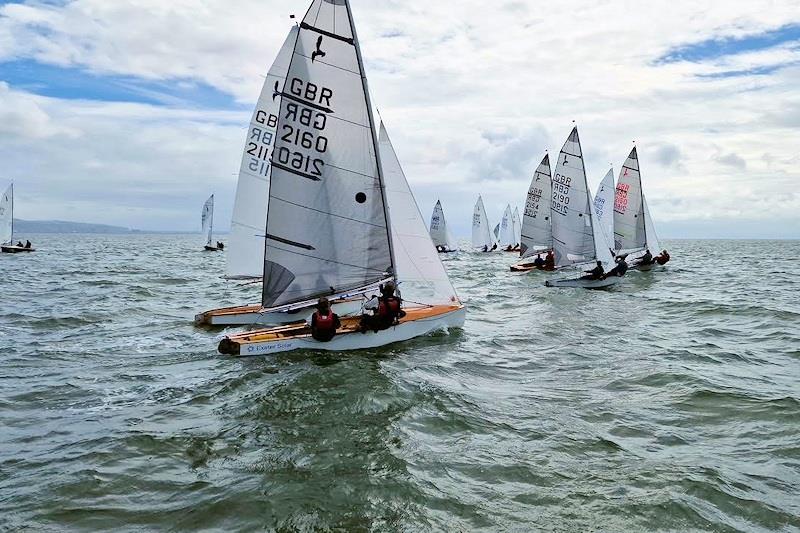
<point>324,217</point>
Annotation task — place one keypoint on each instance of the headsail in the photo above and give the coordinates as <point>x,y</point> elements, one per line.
<point>517,226</point>
<point>207,219</point>
<point>507,235</point>
<point>245,257</point>
<point>537,233</point>
<point>573,232</point>
<point>7,216</point>
<point>481,233</point>
<point>604,206</point>
<point>629,225</point>
<point>419,271</point>
<point>439,231</point>
<point>327,222</point>
<point>652,237</point>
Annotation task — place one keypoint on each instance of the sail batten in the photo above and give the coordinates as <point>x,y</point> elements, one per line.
<point>326,191</point>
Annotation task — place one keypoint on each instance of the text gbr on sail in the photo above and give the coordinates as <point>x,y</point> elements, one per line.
<point>561,187</point>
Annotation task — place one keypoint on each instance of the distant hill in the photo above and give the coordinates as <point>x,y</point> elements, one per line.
<point>61,226</point>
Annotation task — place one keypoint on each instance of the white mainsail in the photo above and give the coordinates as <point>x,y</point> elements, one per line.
<point>507,235</point>
<point>630,234</point>
<point>7,216</point>
<point>439,231</point>
<point>327,221</point>
<point>574,235</point>
<point>245,257</point>
<point>517,226</point>
<point>420,274</point>
<point>207,219</point>
<point>481,233</point>
<point>537,233</point>
<point>604,206</point>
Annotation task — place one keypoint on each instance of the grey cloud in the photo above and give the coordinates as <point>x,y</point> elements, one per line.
<point>667,155</point>
<point>731,160</point>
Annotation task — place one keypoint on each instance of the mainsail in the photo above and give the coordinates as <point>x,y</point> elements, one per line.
<point>245,257</point>
<point>629,225</point>
<point>573,232</point>
<point>207,219</point>
<point>7,216</point>
<point>327,222</point>
<point>507,235</point>
<point>604,206</point>
<point>439,231</point>
<point>537,233</point>
<point>419,271</point>
<point>517,226</point>
<point>481,233</point>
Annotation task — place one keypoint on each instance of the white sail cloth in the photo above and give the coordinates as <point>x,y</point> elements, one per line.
<point>652,238</point>
<point>327,228</point>
<point>629,225</point>
<point>419,271</point>
<point>207,219</point>
<point>517,226</point>
<point>440,233</point>
<point>604,206</point>
<point>245,257</point>
<point>507,235</point>
<point>481,233</point>
<point>7,216</point>
<point>537,233</point>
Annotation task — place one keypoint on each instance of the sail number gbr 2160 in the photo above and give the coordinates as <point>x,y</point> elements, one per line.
<point>302,128</point>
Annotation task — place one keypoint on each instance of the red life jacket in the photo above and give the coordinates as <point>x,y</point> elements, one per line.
<point>389,308</point>
<point>324,322</point>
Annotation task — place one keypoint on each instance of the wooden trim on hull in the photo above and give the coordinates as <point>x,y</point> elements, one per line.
<point>255,315</point>
<point>417,322</point>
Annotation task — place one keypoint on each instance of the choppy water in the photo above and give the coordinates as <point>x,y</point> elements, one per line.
<point>669,404</point>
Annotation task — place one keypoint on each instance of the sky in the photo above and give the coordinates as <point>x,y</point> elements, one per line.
<point>132,112</point>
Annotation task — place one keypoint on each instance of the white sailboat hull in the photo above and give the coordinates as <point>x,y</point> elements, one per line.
<point>578,283</point>
<point>417,323</point>
<point>255,315</point>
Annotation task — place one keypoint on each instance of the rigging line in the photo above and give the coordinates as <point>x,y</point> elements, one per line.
<point>327,260</point>
<point>323,62</point>
<point>328,213</point>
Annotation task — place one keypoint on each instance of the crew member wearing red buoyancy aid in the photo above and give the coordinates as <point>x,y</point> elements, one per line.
<point>324,322</point>
<point>663,258</point>
<point>387,313</point>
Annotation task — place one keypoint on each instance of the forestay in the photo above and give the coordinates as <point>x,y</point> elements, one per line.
<point>245,257</point>
<point>481,233</point>
<point>507,236</point>
<point>440,233</point>
<point>7,216</point>
<point>207,219</point>
<point>327,225</point>
<point>419,271</point>
<point>629,225</point>
<point>573,233</point>
<point>537,233</point>
<point>604,206</point>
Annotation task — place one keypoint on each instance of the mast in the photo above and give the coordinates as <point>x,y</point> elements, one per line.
<point>375,146</point>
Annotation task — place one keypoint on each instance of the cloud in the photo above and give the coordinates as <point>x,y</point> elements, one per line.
<point>732,160</point>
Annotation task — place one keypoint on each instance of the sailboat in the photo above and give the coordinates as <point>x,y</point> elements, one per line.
<point>517,222</point>
<point>207,221</point>
<point>7,224</point>
<point>507,237</point>
<point>482,239</point>
<point>537,234</point>
<point>329,226</point>
<point>604,205</point>
<point>440,233</point>
<point>578,240</point>
<point>633,233</point>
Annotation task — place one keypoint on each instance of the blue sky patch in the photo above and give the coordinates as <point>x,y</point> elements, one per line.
<point>78,84</point>
<point>726,46</point>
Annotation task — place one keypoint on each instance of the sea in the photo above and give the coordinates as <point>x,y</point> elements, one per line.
<point>669,403</point>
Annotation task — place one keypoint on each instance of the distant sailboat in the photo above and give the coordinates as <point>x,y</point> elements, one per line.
<point>633,232</point>
<point>604,205</point>
<point>440,233</point>
<point>578,240</point>
<point>482,239</point>
<point>7,225</point>
<point>537,234</point>
<point>507,237</point>
<point>517,227</point>
<point>207,221</point>
<point>329,226</point>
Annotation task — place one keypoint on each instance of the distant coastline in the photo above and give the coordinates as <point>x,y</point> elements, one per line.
<point>22,227</point>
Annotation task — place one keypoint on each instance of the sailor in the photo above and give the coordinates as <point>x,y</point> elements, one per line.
<point>494,247</point>
<point>647,258</point>
<point>220,245</point>
<point>324,322</point>
<point>662,258</point>
<point>509,248</point>
<point>596,273</point>
<point>485,248</point>
<point>28,245</point>
<point>19,244</point>
<point>539,262</point>
<point>619,270</point>
<point>550,261</point>
<point>386,308</point>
